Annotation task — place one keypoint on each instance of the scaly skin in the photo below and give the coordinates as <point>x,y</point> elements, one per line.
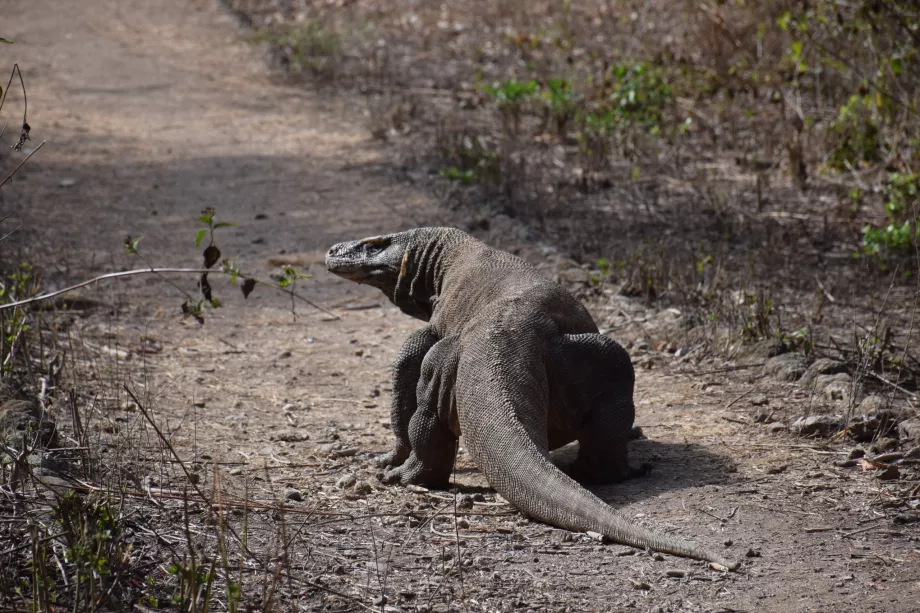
<point>515,363</point>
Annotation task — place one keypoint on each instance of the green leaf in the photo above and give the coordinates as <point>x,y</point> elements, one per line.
<point>896,65</point>
<point>8,42</point>
<point>224,224</point>
<point>200,236</point>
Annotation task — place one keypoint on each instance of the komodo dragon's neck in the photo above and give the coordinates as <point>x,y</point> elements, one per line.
<point>410,267</point>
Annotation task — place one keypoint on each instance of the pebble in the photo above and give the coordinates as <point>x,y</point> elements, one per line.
<point>346,481</point>
<point>293,494</point>
<point>362,488</point>
<point>820,425</point>
<point>464,502</point>
<point>776,427</point>
<point>890,474</point>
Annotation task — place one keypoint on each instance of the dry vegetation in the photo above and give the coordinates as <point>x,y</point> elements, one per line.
<point>753,164</point>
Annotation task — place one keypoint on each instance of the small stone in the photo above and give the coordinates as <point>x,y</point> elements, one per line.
<point>293,494</point>
<point>821,366</point>
<point>760,400</point>
<point>856,453</point>
<point>728,543</point>
<point>752,553</point>
<point>883,444</point>
<point>597,536</point>
<point>777,469</point>
<point>284,355</point>
<point>913,453</point>
<point>380,601</point>
<point>235,472</point>
<point>888,458</point>
<point>785,367</point>
<point>640,585</point>
<point>763,416</point>
<point>776,427</point>
<point>658,557</point>
<point>889,474</point>
<point>909,431</point>
<point>463,523</point>
<point>836,388</point>
<point>346,481</point>
<point>872,404</point>
<point>464,502</point>
<point>675,572</point>
<point>362,488</point>
<point>818,425</point>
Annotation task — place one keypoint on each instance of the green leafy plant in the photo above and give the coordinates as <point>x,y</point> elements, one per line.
<point>901,235</point>
<point>310,46</point>
<point>562,103</point>
<point>510,98</point>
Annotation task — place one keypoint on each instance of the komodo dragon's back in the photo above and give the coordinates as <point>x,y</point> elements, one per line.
<point>514,362</point>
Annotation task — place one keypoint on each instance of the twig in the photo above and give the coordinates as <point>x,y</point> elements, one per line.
<point>24,160</point>
<point>730,404</point>
<point>893,384</point>
<point>156,271</point>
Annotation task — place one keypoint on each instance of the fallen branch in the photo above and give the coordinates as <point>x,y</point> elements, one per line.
<point>156,271</point>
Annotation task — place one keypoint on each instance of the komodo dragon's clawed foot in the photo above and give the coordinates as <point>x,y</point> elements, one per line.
<point>412,472</point>
<point>391,459</point>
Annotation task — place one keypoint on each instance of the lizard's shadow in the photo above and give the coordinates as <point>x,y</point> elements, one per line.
<point>674,466</point>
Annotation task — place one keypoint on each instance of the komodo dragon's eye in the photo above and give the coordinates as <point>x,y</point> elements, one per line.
<point>374,247</point>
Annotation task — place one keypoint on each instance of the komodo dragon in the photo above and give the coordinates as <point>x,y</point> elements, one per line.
<point>515,363</point>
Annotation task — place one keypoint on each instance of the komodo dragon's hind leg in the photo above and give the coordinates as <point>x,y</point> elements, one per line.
<point>434,428</point>
<point>594,379</point>
<point>406,373</point>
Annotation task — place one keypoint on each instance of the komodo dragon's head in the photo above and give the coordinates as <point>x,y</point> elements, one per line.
<point>407,266</point>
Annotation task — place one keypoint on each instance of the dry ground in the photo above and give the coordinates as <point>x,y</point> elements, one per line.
<point>154,111</point>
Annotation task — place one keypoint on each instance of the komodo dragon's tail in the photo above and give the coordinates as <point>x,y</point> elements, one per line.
<point>529,481</point>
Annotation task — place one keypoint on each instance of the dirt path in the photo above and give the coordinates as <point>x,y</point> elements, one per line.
<point>156,110</point>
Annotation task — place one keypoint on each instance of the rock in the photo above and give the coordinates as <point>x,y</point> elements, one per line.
<point>872,404</point>
<point>869,426</point>
<point>763,416</point>
<point>822,366</point>
<point>765,349</point>
<point>776,427</point>
<point>293,494</point>
<point>883,444</point>
<point>836,388</point>
<point>889,474</point>
<point>675,572</point>
<point>785,367</point>
<point>818,425</point>
<point>24,417</point>
<point>913,453</point>
<point>909,431</point>
<point>465,502</point>
<point>346,481</point>
<point>760,400</point>
<point>362,488</point>
<point>856,453</point>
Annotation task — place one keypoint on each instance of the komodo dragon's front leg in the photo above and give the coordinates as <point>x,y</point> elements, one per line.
<point>434,428</point>
<point>406,373</point>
